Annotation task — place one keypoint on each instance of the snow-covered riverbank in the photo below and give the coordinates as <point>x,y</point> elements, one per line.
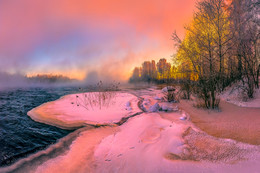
<point>158,140</point>
<point>235,94</point>
<point>70,112</point>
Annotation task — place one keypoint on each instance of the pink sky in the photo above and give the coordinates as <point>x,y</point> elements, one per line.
<point>75,37</point>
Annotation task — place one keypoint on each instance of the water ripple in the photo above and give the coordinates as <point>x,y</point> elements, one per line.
<point>20,135</point>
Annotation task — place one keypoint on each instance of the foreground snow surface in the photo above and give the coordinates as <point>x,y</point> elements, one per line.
<point>141,145</point>
<point>149,142</point>
<point>66,112</point>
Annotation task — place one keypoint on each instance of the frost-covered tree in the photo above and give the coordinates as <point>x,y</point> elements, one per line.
<point>245,24</point>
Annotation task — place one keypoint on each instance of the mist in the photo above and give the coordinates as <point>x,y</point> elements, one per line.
<point>17,80</point>
<point>14,81</point>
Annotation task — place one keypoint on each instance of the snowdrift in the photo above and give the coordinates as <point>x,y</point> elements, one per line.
<point>67,113</point>
<point>158,140</point>
<point>149,143</point>
<point>236,95</point>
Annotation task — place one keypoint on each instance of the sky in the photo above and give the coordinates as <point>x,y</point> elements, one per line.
<point>76,38</point>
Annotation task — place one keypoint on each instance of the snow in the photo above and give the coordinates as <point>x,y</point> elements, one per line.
<point>128,106</point>
<point>235,94</point>
<point>149,143</point>
<point>154,108</point>
<point>168,88</point>
<point>144,136</point>
<point>80,156</point>
<point>64,114</point>
<point>150,105</point>
<point>154,102</point>
<point>184,116</point>
<point>154,141</point>
<point>168,107</point>
<point>158,98</point>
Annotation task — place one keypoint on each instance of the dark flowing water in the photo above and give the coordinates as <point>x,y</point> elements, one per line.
<point>20,136</point>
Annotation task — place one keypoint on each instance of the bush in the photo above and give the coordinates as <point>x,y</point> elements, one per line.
<point>186,89</point>
<point>202,103</point>
<point>103,98</point>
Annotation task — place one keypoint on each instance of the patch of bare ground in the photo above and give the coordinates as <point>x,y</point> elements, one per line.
<point>233,122</point>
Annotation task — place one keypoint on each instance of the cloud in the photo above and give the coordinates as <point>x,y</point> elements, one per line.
<point>74,37</point>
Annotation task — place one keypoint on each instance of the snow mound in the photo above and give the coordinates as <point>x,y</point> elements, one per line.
<point>168,107</point>
<point>149,143</point>
<point>155,102</point>
<point>140,145</point>
<point>67,113</point>
<point>150,105</point>
<point>154,108</point>
<point>236,95</point>
<point>183,116</point>
<point>128,106</point>
<point>168,88</point>
<point>158,98</point>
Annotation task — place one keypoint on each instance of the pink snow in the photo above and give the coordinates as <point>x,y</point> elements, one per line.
<point>234,94</point>
<point>149,142</point>
<point>67,113</point>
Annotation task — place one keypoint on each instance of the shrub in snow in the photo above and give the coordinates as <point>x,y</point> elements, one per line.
<point>101,99</point>
<point>186,89</point>
<point>200,103</point>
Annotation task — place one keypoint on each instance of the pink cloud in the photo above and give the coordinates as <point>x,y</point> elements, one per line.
<point>26,25</point>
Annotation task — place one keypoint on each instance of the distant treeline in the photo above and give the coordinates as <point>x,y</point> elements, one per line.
<point>20,80</point>
<point>49,79</point>
<point>159,72</point>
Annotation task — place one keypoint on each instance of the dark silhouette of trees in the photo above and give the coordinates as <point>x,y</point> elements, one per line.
<point>136,76</point>
<point>164,69</point>
<point>149,71</point>
<point>152,72</point>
